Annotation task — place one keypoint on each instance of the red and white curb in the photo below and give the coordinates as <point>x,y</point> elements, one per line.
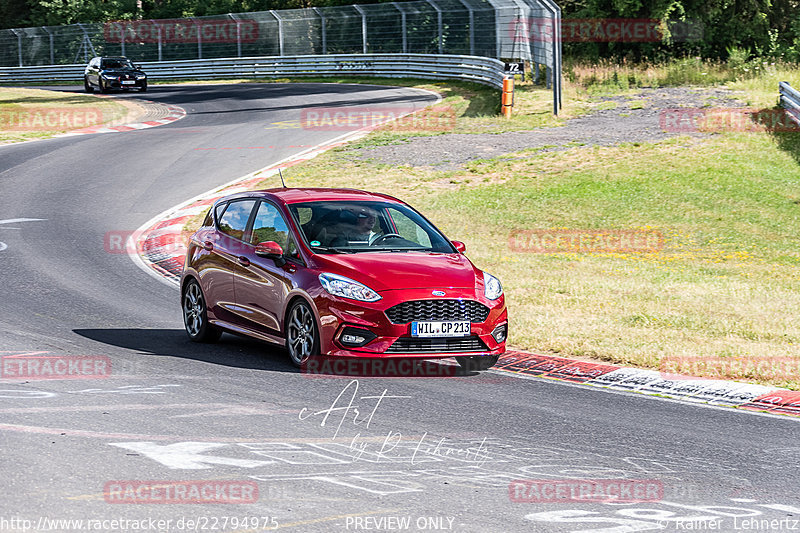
<point>175,113</point>
<point>651,382</point>
<point>160,250</point>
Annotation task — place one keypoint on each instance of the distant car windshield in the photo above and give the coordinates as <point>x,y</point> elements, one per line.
<point>366,226</point>
<point>116,63</point>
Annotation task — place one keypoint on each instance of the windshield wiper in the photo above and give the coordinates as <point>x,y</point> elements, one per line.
<point>330,249</point>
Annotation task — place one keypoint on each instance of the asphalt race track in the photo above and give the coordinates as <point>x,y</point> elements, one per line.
<point>292,451</point>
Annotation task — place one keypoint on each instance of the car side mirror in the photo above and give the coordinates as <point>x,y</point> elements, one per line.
<point>460,246</point>
<point>137,66</point>
<point>271,250</point>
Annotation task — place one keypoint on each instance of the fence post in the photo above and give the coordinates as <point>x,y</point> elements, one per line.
<point>159,39</point>
<point>403,27</point>
<point>471,27</point>
<point>280,31</point>
<point>439,25</point>
<point>324,29</point>
<point>238,34</point>
<point>52,48</point>
<point>363,28</point>
<point>199,39</point>
<point>19,45</point>
<point>122,38</point>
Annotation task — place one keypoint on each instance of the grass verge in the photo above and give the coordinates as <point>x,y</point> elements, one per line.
<point>34,114</point>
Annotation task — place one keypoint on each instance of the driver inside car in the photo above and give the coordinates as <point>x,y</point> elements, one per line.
<point>355,226</point>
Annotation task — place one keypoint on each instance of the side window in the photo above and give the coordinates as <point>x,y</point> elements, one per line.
<point>208,220</point>
<point>409,229</point>
<point>269,226</point>
<point>234,219</point>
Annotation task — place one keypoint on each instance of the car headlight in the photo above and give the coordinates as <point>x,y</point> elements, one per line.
<point>110,76</point>
<point>492,288</point>
<point>347,288</point>
<point>140,77</point>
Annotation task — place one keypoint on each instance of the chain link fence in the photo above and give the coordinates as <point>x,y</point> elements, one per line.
<point>488,28</point>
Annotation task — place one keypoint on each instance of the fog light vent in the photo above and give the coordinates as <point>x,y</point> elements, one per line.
<point>500,333</point>
<point>356,337</point>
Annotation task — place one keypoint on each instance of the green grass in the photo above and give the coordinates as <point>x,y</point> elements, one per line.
<point>724,285</point>
<point>23,112</point>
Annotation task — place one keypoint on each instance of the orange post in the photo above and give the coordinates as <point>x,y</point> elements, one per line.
<point>508,96</point>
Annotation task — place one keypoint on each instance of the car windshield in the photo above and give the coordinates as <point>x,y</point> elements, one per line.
<point>116,63</point>
<point>366,226</point>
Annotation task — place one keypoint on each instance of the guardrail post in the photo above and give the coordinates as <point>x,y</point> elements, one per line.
<point>508,96</point>
<point>363,28</point>
<point>324,29</point>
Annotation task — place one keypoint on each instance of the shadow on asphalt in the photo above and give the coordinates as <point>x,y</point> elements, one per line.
<point>232,351</point>
<point>245,352</point>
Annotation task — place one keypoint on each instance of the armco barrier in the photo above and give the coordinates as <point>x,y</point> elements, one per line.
<point>483,70</point>
<point>789,100</point>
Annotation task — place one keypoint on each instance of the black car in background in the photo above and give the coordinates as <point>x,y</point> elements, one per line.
<point>108,73</point>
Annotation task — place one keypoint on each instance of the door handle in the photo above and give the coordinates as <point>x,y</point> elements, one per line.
<point>244,261</point>
<point>208,245</point>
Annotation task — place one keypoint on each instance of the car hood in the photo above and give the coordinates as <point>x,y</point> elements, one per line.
<point>402,270</point>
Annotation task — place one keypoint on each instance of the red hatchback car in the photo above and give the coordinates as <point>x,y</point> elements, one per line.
<point>339,272</point>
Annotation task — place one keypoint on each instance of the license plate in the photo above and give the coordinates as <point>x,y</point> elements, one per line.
<point>128,82</point>
<point>440,329</point>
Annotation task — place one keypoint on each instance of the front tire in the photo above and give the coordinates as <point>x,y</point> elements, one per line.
<point>143,88</point>
<point>101,85</point>
<point>87,86</point>
<point>302,336</point>
<point>478,362</point>
<point>195,316</point>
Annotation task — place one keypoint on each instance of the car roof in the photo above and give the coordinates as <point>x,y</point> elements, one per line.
<point>291,195</point>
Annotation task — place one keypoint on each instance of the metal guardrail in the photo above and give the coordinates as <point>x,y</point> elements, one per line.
<point>790,100</point>
<point>483,70</point>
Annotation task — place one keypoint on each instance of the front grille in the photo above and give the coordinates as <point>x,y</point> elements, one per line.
<point>436,345</point>
<point>438,310</point>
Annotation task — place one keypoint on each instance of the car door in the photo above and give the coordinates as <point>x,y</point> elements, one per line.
<point>261,283</point>
<point>224,246</point>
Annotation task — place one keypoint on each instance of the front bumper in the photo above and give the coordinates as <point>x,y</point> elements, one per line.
<point>340,316</point>
<point>116,83</point>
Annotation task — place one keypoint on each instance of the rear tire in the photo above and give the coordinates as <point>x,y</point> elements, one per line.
<point>477,362</point>
<point>195,316</point>
<point>302,336</point>
<point>87,86</point>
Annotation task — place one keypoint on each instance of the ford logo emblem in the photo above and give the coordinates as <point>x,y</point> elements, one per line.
<point>438,293</point>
